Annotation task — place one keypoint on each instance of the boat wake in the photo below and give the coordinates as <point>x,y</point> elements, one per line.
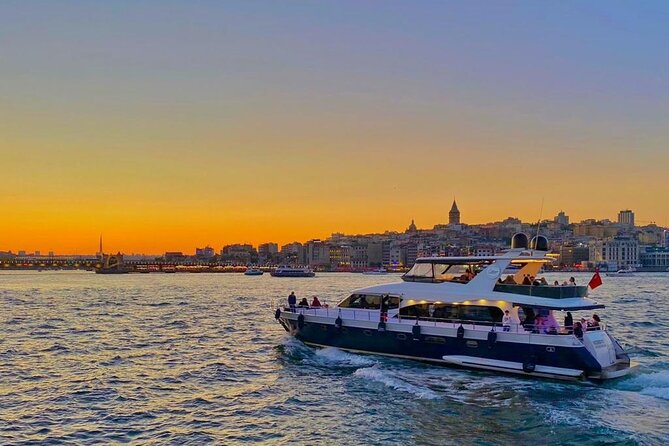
<point>387,378</point>
<point>652,384</point>
<point>342,358</point>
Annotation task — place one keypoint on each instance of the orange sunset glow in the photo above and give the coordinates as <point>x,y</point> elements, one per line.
<point>167,137</point>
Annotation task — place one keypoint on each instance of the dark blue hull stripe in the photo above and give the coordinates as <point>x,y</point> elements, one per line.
<point>434,348</point>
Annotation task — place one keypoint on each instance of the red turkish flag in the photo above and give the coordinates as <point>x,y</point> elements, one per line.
<point>595,281</point>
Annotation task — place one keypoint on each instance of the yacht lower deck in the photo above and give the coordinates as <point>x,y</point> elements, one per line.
<point>460,343</point>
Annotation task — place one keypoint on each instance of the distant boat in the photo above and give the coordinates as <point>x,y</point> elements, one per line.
<point>253,272</point>
<point>113,264</point>
<point>287,271</point>
<point>622,272</point>
<point>376,272</point>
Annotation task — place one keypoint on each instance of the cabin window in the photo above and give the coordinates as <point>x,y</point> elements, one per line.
<point>450,312</point>
<point>370,302</point>
<point>421,270</point>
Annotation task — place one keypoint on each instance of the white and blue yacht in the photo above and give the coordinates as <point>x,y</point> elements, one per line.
<point>453,311</point>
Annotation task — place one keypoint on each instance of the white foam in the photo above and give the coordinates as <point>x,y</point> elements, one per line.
<point>332,354</point>
<point>657,392</point>
<point>653,384</point>
<point>385,377</point>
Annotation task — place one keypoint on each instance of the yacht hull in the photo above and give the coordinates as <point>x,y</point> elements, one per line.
<point>442,346</point>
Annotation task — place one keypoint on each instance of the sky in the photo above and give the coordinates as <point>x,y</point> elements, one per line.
<point>167,125</point>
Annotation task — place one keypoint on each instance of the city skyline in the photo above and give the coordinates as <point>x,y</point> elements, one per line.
<point>172,127</point>
<point>218,245</point>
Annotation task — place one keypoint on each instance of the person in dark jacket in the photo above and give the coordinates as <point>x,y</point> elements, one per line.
<point>292,301</point>
<point>304,303</point>
<point>569,323</point>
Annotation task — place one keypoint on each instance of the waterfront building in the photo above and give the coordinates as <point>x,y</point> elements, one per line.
<point>293,253</point>
<point>375,254</point>
<point>571,255</point>
<point>626,218</point>
<point>617,253</point>
<point>410,253</point>
<point>339,256</point>
<point>267,252</point>
<point>317,252</point>
<point>395,256</point>
<point>205,253</point>
<point>655,258</point>
<point>359,257</point>
<point>239,254</point>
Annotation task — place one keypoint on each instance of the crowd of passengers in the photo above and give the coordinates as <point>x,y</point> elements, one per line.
<point>545,323</point>
<point>528,279</point>
<point>531,280</point>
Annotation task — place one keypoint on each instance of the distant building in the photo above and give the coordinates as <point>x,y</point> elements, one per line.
<point>239,253</point>
<point>591,228</point>
<point>626,218</point>
<point>454,214</point>
<point>340,256</point>
<point>359,256</point>
<point>651,235</point>
<point>205,253</point>
<point>562,219</point>
<point>374,254</point>
<point>655,258</point>
<point>317,253</point>
<point>616,252</point>
<point>574,255</point>
<point>293,253</point>
<point>412,227</point>
<point>174,256</point>
<point>483,250</point>
<point>267,251</point>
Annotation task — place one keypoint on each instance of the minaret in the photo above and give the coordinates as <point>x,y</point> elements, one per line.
<point>454,214</point>
<point>100,253</point>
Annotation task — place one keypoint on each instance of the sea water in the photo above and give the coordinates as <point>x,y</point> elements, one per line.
<point>198,359</point>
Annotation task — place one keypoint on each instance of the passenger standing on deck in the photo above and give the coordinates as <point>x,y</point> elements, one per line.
<point>292,301</point>
<point>506,321</point>
<point>569,323</point>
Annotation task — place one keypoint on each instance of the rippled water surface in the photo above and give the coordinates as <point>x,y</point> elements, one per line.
<point>198,358</point>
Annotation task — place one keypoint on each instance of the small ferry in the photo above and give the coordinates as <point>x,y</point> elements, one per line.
<point>253,272</point>
<point>376,272</point>
<point>461,311</point>
<point>289,271</point>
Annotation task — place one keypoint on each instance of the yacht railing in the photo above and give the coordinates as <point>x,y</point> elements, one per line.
<point>373,315</point>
